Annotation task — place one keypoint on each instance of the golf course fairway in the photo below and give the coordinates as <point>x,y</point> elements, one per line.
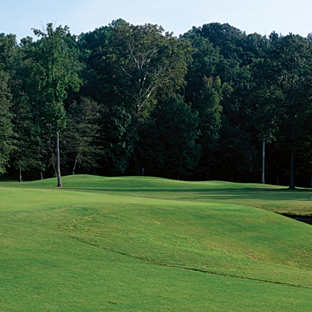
<point>151,244</point>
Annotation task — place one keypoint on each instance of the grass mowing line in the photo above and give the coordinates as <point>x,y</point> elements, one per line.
<point>158,263</point>
<point>131,234</point>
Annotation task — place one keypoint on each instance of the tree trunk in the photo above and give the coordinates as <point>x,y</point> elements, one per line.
<point>263,163</point>
<point>292,158</point>
<point>41,175</point>
<point>58,160</point>
<point>135,153</point>
<point>292,171</point>
<point>75,164</point>
<point>20,175</point>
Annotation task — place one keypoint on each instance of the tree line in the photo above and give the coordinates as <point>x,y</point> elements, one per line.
<point>213,103</point>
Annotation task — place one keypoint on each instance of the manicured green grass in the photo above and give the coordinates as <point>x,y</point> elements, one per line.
<point>133,244</point>
<point>275,198</point>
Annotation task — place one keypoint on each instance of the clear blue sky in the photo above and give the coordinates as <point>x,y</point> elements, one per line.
<point>178,16</point>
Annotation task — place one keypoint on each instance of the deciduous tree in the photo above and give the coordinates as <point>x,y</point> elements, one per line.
<point>6,131</point>
<point>285,93</point>
<point>53,72</point>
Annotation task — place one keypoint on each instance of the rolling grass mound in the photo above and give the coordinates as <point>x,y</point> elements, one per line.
<point>149,244</point>
<point>125,183</point>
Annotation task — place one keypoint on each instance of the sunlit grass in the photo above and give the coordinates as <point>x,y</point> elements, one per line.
<point>133,244</point>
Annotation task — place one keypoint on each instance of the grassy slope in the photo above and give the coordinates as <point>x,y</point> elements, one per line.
<point>275,198</point>
<point>152,245</point>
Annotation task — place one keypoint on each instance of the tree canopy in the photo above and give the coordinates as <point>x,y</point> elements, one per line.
<point>126,97</point>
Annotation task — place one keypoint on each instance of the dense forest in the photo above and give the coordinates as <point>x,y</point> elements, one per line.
<point>213,103</point>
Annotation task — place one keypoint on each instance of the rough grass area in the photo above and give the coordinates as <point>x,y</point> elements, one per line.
<point>133,244</point>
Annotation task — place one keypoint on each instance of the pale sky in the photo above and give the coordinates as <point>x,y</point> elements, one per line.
<point>177,16</point>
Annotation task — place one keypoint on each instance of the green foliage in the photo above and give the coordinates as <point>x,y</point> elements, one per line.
<point>234,90</point>
<point>173,152</point>
<point>45,71</point>
<point>81,139</point>
<point>7,49</point>
<point>148,59</point>
<point>6,128</point>
<point>130,67</point>
<point>27,144</point>
<point>284,93</point>
<point>52,72</point>
<point>235,153</point>
<point>117,139</point>
<point>209,113</point>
